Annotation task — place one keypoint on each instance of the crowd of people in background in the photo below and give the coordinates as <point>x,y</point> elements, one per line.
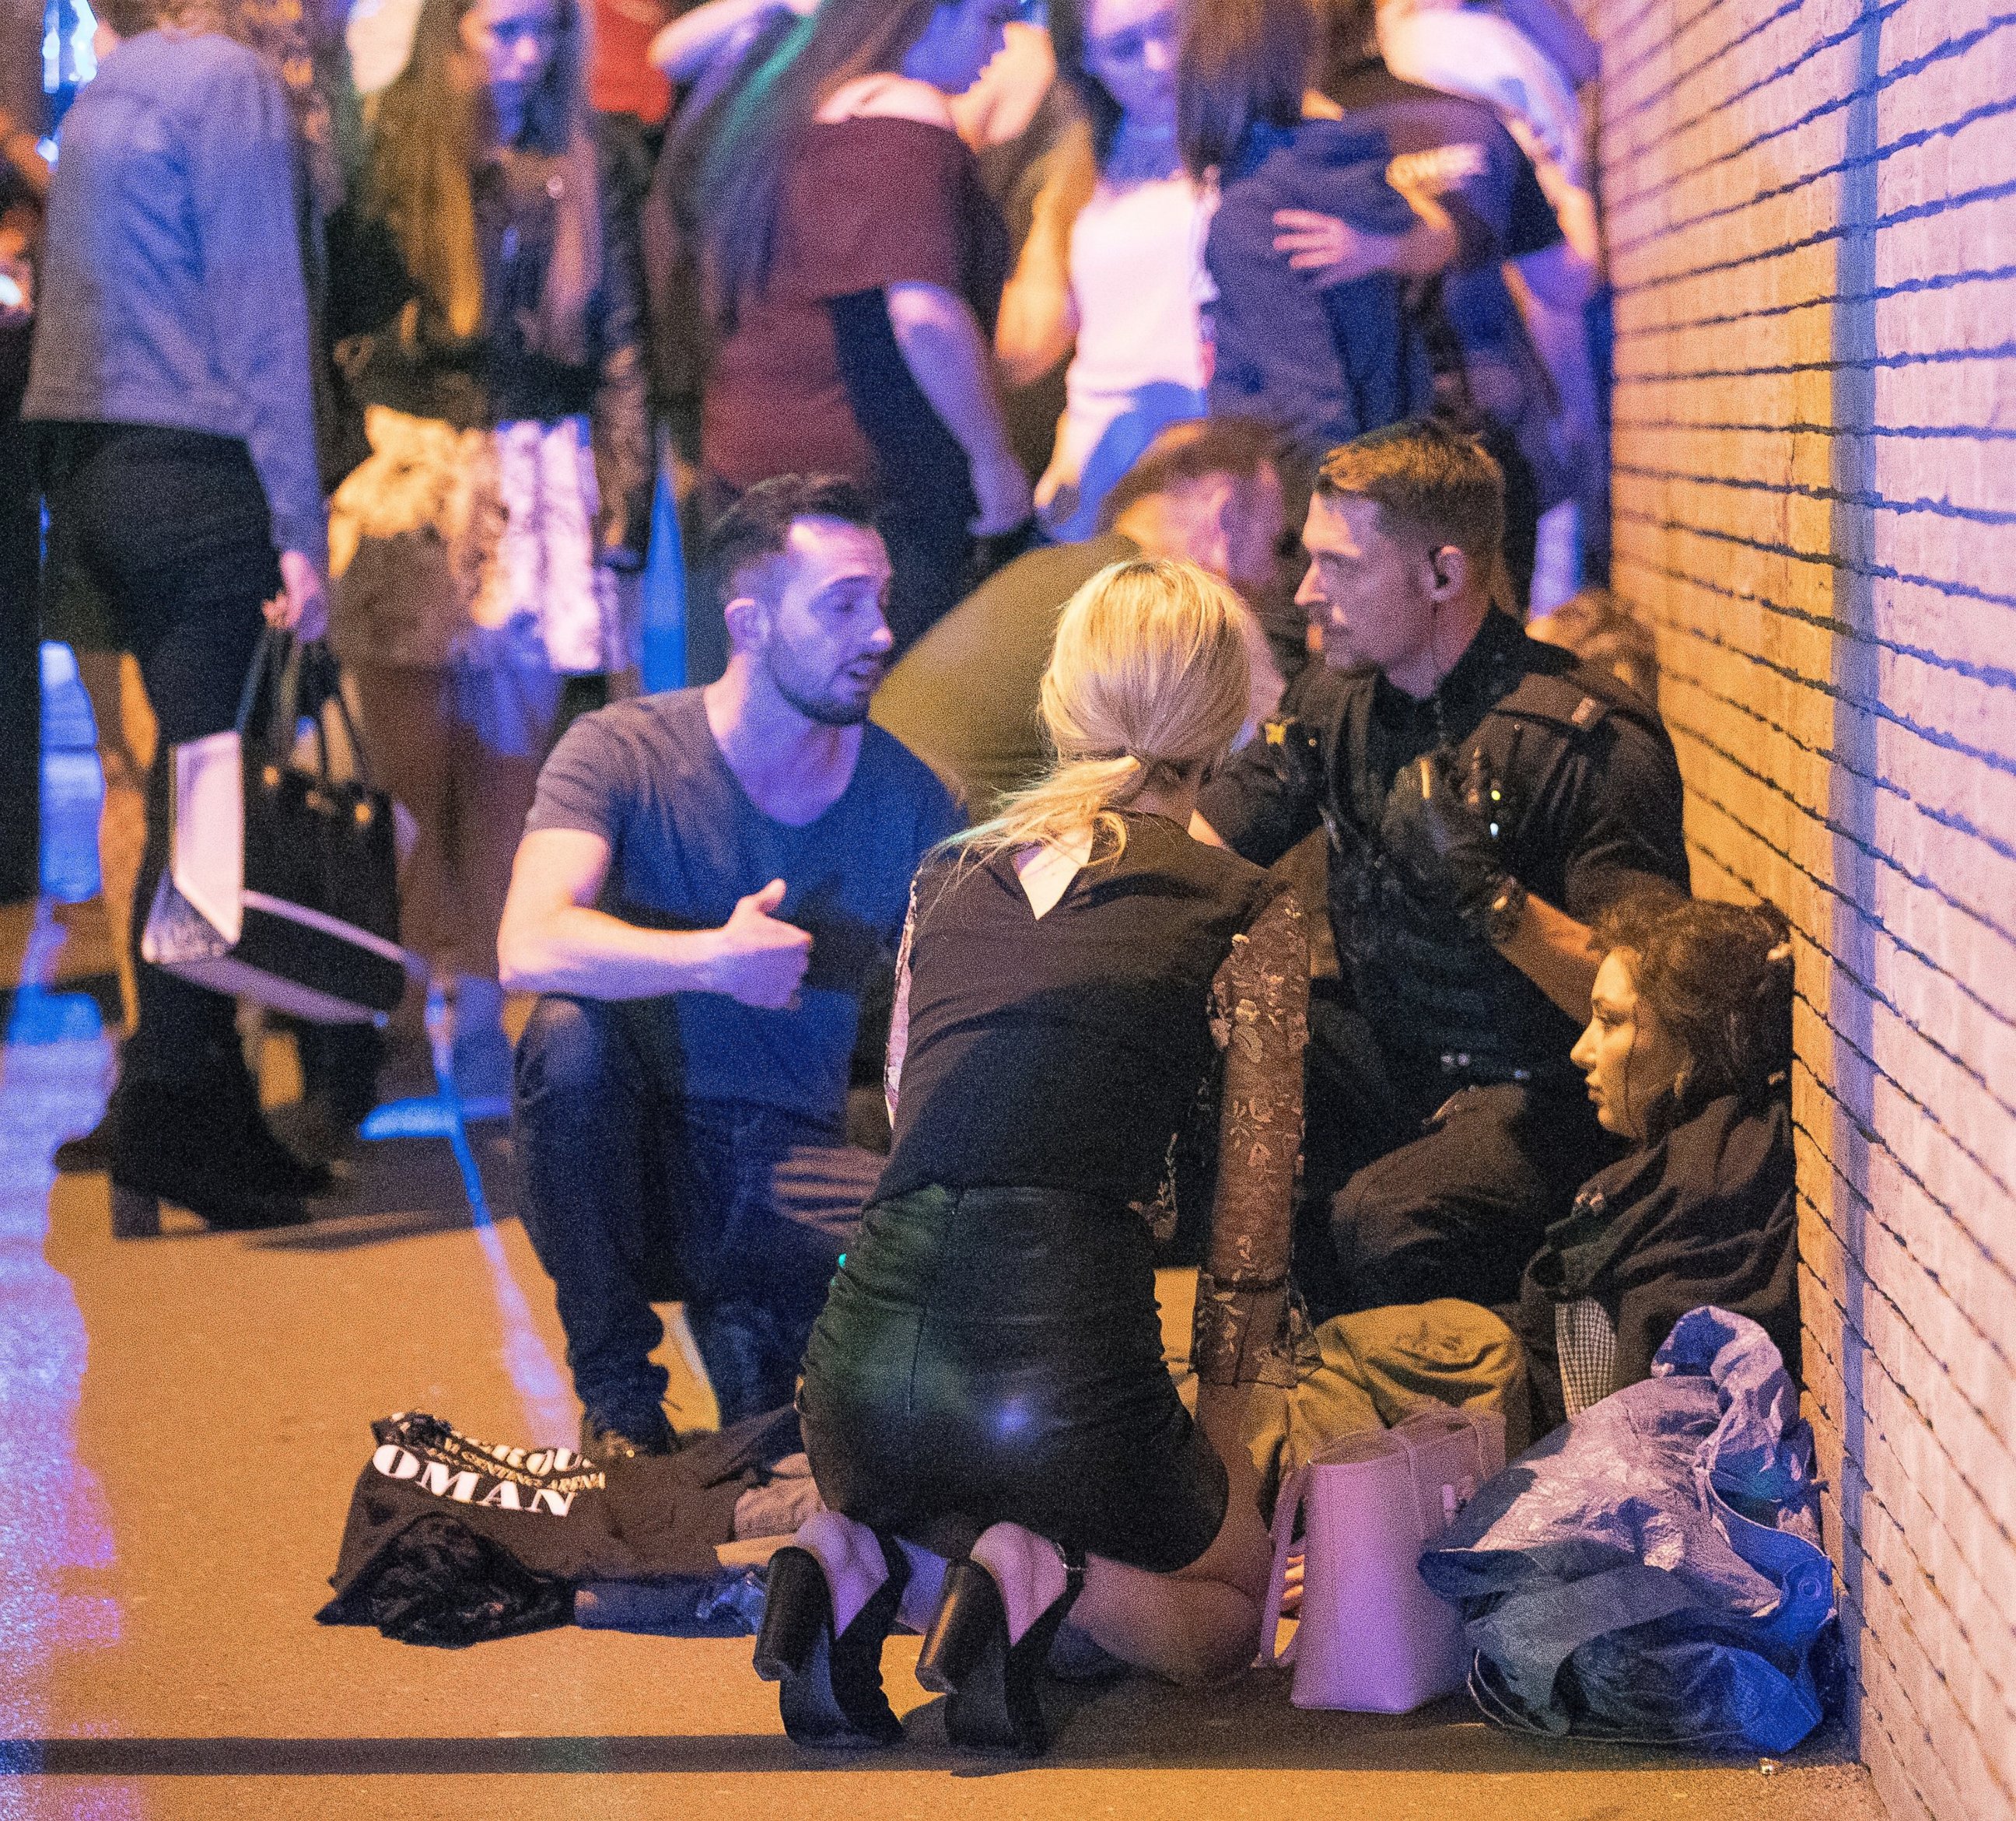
<point>1104,455</point>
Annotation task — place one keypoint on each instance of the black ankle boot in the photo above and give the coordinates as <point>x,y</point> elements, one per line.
<point>992,1684</point>
<point>830,1689</point>
<point>207,1149</point>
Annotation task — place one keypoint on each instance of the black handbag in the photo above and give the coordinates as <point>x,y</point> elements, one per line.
<point>281,885</point>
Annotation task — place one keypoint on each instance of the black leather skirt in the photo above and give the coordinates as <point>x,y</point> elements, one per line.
<point>992,1354</point>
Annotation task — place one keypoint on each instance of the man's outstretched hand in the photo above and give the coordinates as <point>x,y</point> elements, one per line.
<point>763,959</point>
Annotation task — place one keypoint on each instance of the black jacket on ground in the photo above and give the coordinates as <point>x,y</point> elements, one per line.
<point>1704,1214</point>
<point>451,1541</point>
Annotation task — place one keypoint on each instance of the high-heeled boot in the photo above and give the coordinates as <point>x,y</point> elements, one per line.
<point>832,1598</point>
<point>988,1643</point>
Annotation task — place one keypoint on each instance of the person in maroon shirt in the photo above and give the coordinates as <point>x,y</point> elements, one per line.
<point>854,264</point>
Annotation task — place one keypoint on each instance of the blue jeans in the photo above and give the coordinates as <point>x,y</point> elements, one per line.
<point>633,1192</point>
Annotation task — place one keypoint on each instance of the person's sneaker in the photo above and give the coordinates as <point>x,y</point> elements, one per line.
<point>602,1444</point>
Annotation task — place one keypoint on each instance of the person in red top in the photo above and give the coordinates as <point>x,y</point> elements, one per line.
<point>854,264</point>
<point>621,77</point>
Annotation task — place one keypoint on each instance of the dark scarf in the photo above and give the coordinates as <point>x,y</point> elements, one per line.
<point>1702,1213</point>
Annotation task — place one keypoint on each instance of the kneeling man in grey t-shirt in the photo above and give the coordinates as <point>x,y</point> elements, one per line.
<point>708,880</point>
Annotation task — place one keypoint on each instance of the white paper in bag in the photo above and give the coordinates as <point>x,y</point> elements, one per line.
<point>209,829</point>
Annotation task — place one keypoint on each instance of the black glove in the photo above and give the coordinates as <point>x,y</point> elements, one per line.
<point>1446,838</point>
<point>1295,752</point>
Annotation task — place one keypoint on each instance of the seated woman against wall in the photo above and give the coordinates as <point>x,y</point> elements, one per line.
<point>986,1383</point>
<point>1688,1051</point>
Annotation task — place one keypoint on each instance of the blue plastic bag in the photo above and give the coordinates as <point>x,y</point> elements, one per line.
<point>1652,1571</point>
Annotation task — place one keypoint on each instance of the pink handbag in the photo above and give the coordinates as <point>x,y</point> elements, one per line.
<point>1373,1638</point>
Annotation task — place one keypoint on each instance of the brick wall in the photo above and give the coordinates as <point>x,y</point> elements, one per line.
<point>1811,206</point>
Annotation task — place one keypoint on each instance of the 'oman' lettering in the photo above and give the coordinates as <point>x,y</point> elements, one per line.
<point>396,1462</point>
<point>462,1488</point>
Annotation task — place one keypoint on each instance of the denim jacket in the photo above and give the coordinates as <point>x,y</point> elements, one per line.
<point>1320,366</point>
<point>172,288</point>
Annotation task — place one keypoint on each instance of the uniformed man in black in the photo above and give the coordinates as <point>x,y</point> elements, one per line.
<point>1485,798</point>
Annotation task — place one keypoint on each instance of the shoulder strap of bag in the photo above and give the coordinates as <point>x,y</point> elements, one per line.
<point>285,671</point>
<point>274,684</point>
<point>1286,1507</point>
<point>328,684</point>
<point>267,656</point>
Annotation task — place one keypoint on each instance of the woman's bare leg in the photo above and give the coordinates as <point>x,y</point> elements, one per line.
<point>1200,1624</point>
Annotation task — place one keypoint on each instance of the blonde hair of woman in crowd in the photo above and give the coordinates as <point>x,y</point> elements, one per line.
<point>1105,274</point>
<point>1147,686</point>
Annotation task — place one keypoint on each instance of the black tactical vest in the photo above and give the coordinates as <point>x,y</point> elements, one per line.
<point>1441,1000</point>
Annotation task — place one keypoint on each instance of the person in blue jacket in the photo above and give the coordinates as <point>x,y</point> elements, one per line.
<point>1322,344</point>
<point>171,384</point>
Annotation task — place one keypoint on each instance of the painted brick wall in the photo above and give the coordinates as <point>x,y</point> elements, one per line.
<point>1811,206</point>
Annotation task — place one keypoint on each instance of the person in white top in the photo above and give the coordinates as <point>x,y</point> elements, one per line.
<point>1111,258</point>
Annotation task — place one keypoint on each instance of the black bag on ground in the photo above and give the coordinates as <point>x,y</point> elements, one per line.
<point>281,885</point>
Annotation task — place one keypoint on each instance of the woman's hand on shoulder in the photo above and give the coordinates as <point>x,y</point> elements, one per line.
<point>1331,251</point>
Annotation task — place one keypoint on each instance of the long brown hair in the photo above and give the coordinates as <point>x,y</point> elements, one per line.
<point>1240,64</point>
<point>431,128</point>
<point>742,181</point>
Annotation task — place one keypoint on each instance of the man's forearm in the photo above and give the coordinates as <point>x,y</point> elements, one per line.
<point>587,951</point>
<point>1552,950</point>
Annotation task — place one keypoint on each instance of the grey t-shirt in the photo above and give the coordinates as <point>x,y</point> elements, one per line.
<point>686,843</point>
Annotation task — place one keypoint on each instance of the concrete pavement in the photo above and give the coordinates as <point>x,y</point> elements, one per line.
<point>181,1421</point>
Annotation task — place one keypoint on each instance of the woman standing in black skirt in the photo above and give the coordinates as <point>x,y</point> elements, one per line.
<point>986,1385</point>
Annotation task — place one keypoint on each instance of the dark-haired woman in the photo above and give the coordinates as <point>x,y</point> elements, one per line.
<point>484,547</point>
<point>1687,1053</point>
<point>1108,274</point>
<point>1320,362</point>
<point>854,265</point>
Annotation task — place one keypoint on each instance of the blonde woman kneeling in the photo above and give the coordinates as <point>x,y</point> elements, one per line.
<point>986,1383</point>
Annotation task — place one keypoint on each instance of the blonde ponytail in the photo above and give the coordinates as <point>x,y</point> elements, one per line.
<point>1148,677</point>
